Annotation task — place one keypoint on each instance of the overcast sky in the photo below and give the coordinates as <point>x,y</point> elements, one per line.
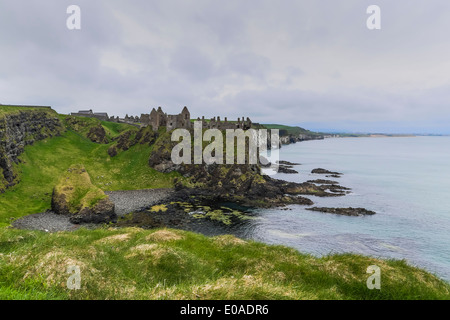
<point>312,63</point>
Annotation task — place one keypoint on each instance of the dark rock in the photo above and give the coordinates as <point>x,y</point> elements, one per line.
<point>307,188</point>
<point>97,134</point>
<point>112,151</point>
<point>102,212</point>
<point>286,169</point>
<point>60,204</point>
<point>287,163</point>
<point>321,181</point>
<point>18,130</point>
<point>335,188</point>
<point>129,138</point>
<point>355,212</point>
<point>324,171</point>
<point>333,176</point>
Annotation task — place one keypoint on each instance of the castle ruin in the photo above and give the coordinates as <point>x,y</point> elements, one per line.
<point>102,116</point>
<point>158,118</point>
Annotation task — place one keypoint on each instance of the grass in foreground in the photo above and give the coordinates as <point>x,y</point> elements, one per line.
<point>170,264</point>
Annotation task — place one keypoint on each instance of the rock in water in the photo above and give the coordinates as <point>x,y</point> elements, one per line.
<point>287,163</point>
<point>355,212</point>
<point>77,197</point>
<point>286,169</point>
<point>324,171</point>
<point>97,134</point>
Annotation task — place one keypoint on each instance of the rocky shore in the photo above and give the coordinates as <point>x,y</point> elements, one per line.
<point>200,199</point>
<point>125,202</point>
<point>135,200</point>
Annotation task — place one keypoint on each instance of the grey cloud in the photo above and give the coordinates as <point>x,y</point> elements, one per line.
<point>297,62</point>
<point>192,63</point>
<point>246,63</point>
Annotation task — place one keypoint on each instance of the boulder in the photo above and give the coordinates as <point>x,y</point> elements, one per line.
<point>77,197</point>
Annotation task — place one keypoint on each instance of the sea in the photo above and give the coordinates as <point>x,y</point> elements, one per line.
<point>405,180</point>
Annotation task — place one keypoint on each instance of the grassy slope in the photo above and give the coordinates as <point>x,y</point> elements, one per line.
<point>114,129</point>
<point>167,264</point>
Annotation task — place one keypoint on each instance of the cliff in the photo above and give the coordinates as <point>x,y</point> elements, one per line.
<point>289,134</point>
<point>20,127</point>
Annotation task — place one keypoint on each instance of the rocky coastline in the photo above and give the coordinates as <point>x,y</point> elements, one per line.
<point>184,207</point>
<point>199,186</point>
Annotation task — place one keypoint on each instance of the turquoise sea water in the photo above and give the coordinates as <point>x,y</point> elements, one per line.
<point>405,180</point>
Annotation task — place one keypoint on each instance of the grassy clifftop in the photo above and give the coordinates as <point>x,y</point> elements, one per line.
<point>11,110</point>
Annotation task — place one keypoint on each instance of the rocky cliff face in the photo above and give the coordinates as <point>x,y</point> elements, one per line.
<point>240,183</point>
<point>18,130</point>
<point>292,138</point>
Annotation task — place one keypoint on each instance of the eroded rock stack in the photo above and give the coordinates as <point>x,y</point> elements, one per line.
<point>77,197</point>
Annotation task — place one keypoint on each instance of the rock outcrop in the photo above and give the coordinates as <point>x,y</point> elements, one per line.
<point>240,183</point>
<point>97,134</point>
<point>287,167</point>
<point>324,171</point>
<point>19,129</point>
<point>78,198</point>
<point>130,138</point>
<point>91,128</point>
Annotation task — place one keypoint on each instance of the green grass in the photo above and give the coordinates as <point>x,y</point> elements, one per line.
<point>9,110</point>
<point>114,129</point>
<point>171,264</point>
<point>45,162</point>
